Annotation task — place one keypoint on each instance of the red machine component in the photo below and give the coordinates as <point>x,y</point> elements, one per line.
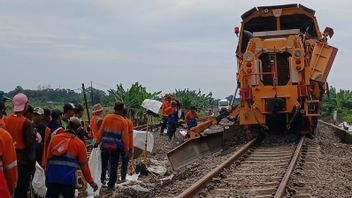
<point>303,90</point>
<point>246,93</point>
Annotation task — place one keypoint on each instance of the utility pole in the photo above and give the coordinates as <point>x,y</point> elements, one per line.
<point>85,101</point>
<point>91,92</point>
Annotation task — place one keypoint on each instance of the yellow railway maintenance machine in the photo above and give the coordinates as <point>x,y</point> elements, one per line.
<point>283,63</point>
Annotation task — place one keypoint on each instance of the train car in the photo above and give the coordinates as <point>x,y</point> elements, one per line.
<point>283,64</point>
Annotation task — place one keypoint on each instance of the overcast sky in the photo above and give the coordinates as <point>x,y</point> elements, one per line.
<point>163,44</point>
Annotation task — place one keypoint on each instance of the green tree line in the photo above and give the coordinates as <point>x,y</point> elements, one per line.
<point>340,101</point>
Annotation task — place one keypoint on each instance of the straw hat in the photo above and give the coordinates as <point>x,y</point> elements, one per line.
<point>97,108</point>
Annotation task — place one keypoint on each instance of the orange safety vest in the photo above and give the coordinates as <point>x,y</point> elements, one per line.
<point>94,126</point>
<point>14,125</point>
<point>62,169</point>
<point>46,143</point>
<point>165,109</point>
<point>130,133</point>
<point>114,133</point>
<point>8,163</point>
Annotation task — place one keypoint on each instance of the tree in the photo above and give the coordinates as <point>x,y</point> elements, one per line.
<point>340,101</point>
<point>133,98</point>
<point>189,98</point>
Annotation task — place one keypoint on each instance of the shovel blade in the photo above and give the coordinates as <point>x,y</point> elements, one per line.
<point>195,149</point>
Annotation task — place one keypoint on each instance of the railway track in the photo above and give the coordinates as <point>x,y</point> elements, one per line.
<point>258,169</point>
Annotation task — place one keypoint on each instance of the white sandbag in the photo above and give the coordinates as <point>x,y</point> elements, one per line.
<point>38,182</point>
<point>133,177</point>
<point>152,105</point>
<point>139,140</point>
<point>94,164</point>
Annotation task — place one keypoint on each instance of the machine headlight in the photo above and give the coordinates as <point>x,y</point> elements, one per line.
<point>298,53</point>
<point>249,57</point>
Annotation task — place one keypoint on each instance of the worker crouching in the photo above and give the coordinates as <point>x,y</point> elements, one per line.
<point>66,154</point>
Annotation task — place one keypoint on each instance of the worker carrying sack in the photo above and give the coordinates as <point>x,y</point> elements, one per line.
<point>61,148</point>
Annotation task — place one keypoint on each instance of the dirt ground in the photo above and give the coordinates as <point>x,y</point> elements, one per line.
<point>334,169</point>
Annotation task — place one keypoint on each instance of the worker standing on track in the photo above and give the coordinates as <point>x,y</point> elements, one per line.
<point>114,139</point>
<point>8,164</point>
<point>191,118</point>
<point>165,111</point>
<point>172,120</point>
<point>66,154</point>
<point>21,130</point>
<point>68,113</point>
<point>126,158</point>
<point>96,120</point>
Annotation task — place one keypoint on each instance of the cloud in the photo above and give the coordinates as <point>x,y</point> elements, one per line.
<point>163,44</point>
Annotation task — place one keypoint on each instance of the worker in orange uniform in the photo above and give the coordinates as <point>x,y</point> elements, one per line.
<point>165,111</point>
<point>8,164</point>
<point>96,120</point>
<point>66,154</point>
<point>114,139</point>
<point>191,117</point>
<point>21,130</point>
<point>125,159</point>
<point>172,120</point>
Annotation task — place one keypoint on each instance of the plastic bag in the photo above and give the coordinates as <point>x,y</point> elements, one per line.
<point>38,182</point>
<point>139,140</point>
<point>94,164</point>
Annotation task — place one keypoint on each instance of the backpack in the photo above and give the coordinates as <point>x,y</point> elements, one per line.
<point>61,148</point>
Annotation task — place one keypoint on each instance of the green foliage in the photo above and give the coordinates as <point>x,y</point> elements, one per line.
<point>189,98</point>
<point>133,98</point>
<point>48,95</point>
<point>341,102</point>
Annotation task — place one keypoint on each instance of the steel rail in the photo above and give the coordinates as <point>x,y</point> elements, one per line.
<point>202,183</point>
<point>281,189</point>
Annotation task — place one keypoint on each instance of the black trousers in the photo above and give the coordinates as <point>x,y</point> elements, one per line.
<point>112,157</point>
<point>24,179</point>
<point>163,125</point>
<point>54,191</point>
<point>124,165</point>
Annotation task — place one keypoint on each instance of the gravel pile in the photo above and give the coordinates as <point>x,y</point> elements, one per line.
<point>335,165</point>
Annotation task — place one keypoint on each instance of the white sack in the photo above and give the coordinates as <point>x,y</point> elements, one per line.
<point>139,140</point>
<point>152,105</point>
<point>94,164</point>
<point>38,182</point>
